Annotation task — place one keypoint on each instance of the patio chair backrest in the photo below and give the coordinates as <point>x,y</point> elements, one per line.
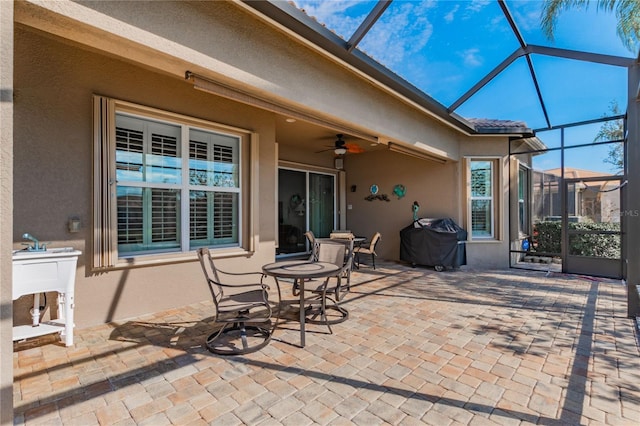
<point>210,273</point>
<point>332,252</point>
<point>341,235</point>
<point>374,241</point>
<point>336,251</point>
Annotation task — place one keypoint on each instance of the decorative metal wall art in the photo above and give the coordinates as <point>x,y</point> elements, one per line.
<point>399,191</point>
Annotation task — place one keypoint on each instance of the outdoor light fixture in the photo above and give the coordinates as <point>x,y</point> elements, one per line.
<point>74,224</point>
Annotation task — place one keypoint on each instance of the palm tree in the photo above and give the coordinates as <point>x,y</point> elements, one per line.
<point>627,13</point>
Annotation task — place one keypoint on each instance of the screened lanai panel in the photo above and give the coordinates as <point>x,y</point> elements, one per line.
<point>551,138</point>
<point>594,133</point>
<point>446,48</point>
<point>509,96</point>
<point>587,29</point>
<point>594,86</point>
<point>443,48</point>
<point>546,187</point>
<point>593,160</point>
<point>341,17</point>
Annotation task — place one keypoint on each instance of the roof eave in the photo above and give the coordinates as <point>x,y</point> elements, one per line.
<point>294,20</point>
<point>506,131</point>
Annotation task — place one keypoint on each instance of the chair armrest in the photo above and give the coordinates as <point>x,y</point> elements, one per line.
<point>239,273</point>
<point>244,274</point>
<point>256,285</point>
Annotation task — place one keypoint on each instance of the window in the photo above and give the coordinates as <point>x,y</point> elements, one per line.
<point>174,184</point>
<point>482,209</point>
<point>523,200</point>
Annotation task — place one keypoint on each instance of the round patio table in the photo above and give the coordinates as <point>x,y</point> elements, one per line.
<point>300,271</point>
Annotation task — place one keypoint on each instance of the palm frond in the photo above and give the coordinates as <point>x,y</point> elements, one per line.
<point>627,14</point>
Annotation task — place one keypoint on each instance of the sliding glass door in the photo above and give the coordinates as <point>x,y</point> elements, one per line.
<point>306,201</point>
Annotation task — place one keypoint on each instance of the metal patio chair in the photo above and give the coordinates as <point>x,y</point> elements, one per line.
<point>240,300</point>
<point>329,292</point>
<point>371,249</point>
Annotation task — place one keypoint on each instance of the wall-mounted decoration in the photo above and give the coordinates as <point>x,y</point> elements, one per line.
<point>374,189</point>
<point>381,197</point>
<point>399,191</point>
<point>415,208</point>
<point>296,204</point>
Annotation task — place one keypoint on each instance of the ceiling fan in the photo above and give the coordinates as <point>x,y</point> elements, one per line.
<point>340,147</point>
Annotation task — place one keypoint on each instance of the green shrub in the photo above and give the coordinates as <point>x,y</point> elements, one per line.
<point>598,245</point>
<point>548,236</point>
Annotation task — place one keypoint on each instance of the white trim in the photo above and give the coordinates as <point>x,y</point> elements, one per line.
<point>105,252</point>
<point>496,197</point>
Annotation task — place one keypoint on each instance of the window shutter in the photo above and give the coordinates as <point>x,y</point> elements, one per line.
<point>198,220</point>
<point>104,254</point>
<point>223,214</point>
<point>164,216</point>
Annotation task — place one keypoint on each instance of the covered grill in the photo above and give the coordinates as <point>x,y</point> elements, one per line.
<point>433,242</point>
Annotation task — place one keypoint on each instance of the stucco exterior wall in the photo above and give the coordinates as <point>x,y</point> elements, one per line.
<point>53,175</point>
<point>492,254</point>
<point>438,188</point>
<point>6,211</point>
<point>221,40</point>
<point>435,186</point>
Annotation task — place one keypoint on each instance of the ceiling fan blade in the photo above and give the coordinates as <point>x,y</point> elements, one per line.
<point>352,148</point>
<point>325,150</point>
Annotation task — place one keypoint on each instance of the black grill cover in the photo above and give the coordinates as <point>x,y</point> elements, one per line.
<point>433,242</point>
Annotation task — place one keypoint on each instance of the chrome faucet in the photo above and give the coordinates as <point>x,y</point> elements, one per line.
<point>37,246</point>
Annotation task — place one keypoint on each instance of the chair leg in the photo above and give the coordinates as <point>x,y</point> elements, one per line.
<point>234,339</point>
<point>373,260</point>
<point>243,336</point>
<point>323,313</point>
<point>322,310</point>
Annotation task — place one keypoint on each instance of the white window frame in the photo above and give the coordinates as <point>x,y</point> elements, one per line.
<point>105,247</point>
<point>524,204</point>
<point>494,198</point>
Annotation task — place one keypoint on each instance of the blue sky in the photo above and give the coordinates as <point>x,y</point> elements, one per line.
<point>445,47</point>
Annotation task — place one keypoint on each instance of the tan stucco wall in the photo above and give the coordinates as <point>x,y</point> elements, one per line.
<point>491,254</point>
<point>434,186</point>
<point>53,156</point>
<point>439,190</point>
<point>223,41</point>
<point>6,211</point>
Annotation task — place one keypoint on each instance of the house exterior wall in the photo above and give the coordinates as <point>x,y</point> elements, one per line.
<point>6,211</point>
<point>66,52</point>
<point>53,142</point>
<point>239,50</point>
<point>490,253</point>
<point>436,187</point>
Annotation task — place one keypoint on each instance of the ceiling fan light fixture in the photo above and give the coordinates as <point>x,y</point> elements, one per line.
<point>340,151</point>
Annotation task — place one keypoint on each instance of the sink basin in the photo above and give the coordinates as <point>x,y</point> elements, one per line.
<point>54,252</point>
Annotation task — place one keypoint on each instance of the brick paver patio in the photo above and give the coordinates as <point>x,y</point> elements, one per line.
<point>420,347</point>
